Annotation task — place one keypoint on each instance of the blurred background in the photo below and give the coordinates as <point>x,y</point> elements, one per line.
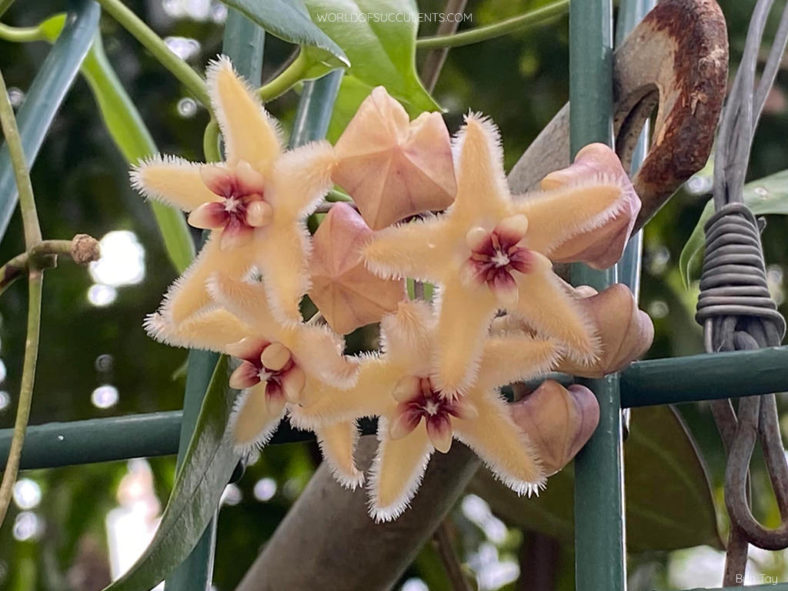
<point>71,528</point>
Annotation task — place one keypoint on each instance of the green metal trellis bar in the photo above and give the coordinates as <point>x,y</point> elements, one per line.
<point>644,383</point>
<point>600,557</point>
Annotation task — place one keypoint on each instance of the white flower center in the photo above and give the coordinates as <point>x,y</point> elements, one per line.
<point>500,259</point>
<point>431,407</point>
<point>231,204</point>
<point>264,375</point>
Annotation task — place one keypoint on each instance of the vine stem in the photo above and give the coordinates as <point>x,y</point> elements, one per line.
<point>289,77</point>
<point>20,34</point>
<point>32,230</point>
<point>153,43</point>
<point>505,27</point>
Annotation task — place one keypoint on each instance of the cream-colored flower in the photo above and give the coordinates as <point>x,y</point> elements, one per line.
<point>279,362</point>
<point>415,420</point>
<point>254,203</point>
<point>489,251</point>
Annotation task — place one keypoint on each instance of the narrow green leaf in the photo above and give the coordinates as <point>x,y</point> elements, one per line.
<point>669,501</point>
<point>207,467</point>
<point>130,134</point>
<point>290,20</point>
<point>45,96</point>
<point>379,37</point>
<point>765,196</point>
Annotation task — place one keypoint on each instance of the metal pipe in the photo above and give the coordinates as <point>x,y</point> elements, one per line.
<point>599,497</point>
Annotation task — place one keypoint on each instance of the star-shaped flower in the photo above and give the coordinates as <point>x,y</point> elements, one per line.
<point>489,251</point>
<point>279,362</point>
<point>415,420</point>
<point>344,291</point>
<point>253,203</point>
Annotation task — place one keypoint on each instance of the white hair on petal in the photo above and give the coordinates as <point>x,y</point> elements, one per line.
<point>137,172</point>
<point>263,436</point>
<point>390,512</point>
<point>350,481</point>
<point>215,67</point>
<point>385,271</point>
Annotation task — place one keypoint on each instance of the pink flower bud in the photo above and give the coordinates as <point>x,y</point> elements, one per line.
<point>391,167</point>
<point>558,421</point>
<point>346,293</point>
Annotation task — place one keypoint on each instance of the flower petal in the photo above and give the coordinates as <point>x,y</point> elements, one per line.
<point>371,396</point>
<point>407,337</point>
<point>173,180</point>
<point>189,293</point>
<point>255,417</point>
<point>300,179</point>
<point>248,130</point>
<point>245,375</point>
<point>209,328</point>
<point>247,301</point>
<point>546,305</point>
<point>501,445</point>
<point>440,433</point>
<point>397,471</point>
<point>337,442</point>
<point>507,359</point>
<point>419,249</point>
<point>464,317</point>
<point>482,192</point>
<point>319,352</point>
<point>282,252</point>
<point>559,215</point>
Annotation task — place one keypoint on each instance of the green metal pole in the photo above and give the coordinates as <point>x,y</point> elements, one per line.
<point>600,563</point>
<point>243,44</point>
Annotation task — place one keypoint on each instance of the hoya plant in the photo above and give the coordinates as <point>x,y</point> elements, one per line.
<point>389,338</point>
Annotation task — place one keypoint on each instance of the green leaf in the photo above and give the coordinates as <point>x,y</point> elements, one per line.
<point>45,96</point>
<point>130,134</point>
<point>379,37</point>
<point>669,503</point>
<point>289,20</point>
<point>765,196</point>
<point>207,467</point>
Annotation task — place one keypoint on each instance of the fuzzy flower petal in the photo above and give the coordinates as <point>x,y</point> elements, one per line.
<point>249,132</point>
<point>501,444</point>
<point>337,443</point>
<point>599,242</point>
<point>415,420</point>
<point>478,254</point>
<point>173,180</point>
<point>397,472</point>
<point>392,168</point>
<point>343,289</point>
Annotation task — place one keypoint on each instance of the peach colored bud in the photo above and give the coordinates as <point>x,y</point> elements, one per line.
<point>625,332</point>
<point>603,244</point>
<point>558,421</point>
<point>391,167</point>
<point>346,293</point>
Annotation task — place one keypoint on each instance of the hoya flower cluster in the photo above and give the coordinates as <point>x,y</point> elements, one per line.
<point>427,208</point>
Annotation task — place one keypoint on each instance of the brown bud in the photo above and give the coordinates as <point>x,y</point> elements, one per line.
<point>84,249</point>
<point>558,421</point>
<point>624,331</point>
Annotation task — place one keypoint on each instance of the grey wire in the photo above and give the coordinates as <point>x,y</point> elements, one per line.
<point>734,306</point>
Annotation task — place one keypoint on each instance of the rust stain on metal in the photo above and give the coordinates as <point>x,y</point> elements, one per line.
<point>678,57</point>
